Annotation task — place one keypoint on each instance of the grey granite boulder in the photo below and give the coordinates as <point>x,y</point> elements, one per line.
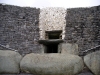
<point>9,61</point>
<point>92,61</point>
<point>66,48</point>
<point>52,64</point>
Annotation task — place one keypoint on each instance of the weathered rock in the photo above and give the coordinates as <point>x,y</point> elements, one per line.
<point>68,48</point>
<point>9,61</point>
<point>93,62</point>
<point>19,28</point>
<point>49,20</point>
<point>52,64</point>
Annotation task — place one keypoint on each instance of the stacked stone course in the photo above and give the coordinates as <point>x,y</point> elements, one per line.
<point>83,27</point>
<point>22,27</point>
<point>19,28</point>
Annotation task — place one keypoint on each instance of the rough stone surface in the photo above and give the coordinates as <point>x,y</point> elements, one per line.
<point>51,19</point>
<point>83,27</point>
<point>52,64</point>
<point>9,62</point>
<point>22,27</point>
<point>66,48</point>
<point>93,62</point>
<point>19,28</point>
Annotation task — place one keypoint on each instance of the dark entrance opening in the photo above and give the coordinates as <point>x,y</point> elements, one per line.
<point>52,40</point>
<point>53,34</point>
<point>51,45</point>
<point>52,48</point>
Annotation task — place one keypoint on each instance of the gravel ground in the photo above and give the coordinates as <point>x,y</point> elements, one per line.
<point>85,73</point>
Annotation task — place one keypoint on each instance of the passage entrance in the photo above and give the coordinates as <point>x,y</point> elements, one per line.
<point>52,48</point>
<point>51,42</point>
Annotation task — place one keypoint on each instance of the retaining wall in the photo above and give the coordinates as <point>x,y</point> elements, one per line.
<point>83,27</point>
<point>22,27</point>
<point>19,28</point>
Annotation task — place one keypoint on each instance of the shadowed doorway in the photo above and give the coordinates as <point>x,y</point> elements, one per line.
<point>51,41</point>
<point>51,48</point>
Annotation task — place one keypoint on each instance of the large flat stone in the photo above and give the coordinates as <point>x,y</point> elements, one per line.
<point>9,61</point>
<point>50,41</point>
<point>52,64</point>
<point>92,61</point>
<point>66,48</point>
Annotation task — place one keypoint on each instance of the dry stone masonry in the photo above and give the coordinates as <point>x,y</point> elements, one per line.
<point>52,19</point>
<point>83,27</point>
<point>22,27</point>
<point>19,28</point>
<point>50,39</point>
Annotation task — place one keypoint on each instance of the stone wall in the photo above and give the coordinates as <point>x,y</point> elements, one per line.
<point>52,19</point>
<point>83,27</point>
<point>19,28</point>
<point>22,27</point>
